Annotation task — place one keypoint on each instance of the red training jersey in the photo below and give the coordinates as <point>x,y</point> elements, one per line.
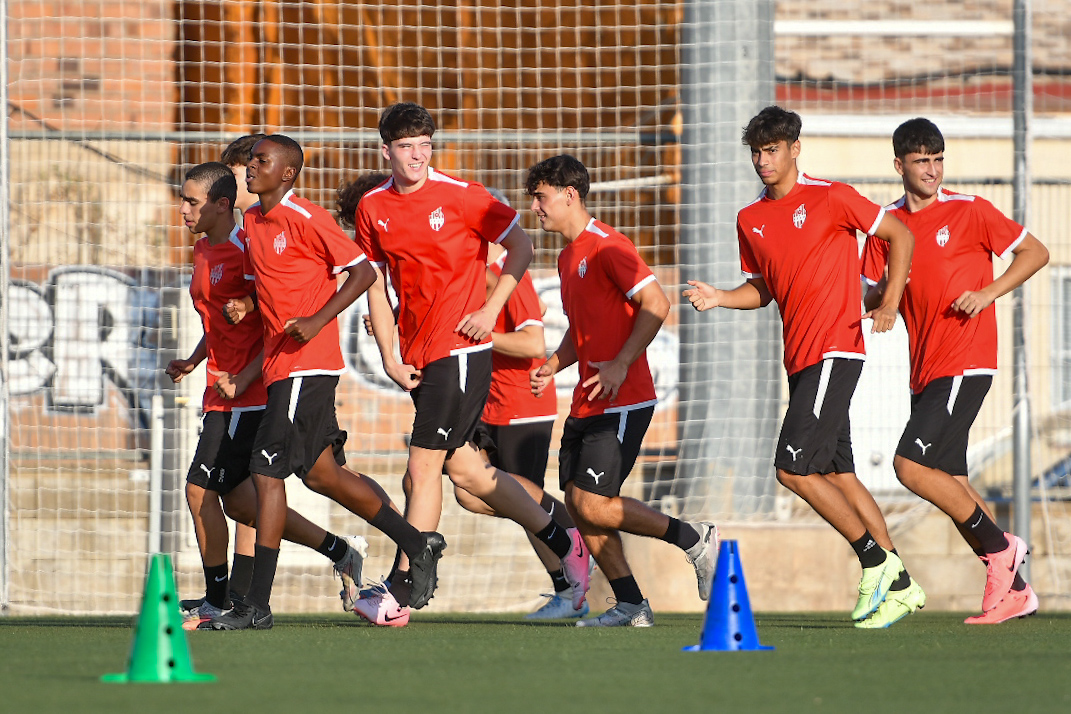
<point>600,271</point>
<point>219,276</point>
<point>511,400</point>
<point>294,253</point>
<point>956,237</point>
<point>434,242</point>
<point>804,247</point>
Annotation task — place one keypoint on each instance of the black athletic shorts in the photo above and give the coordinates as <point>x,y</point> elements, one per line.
<point>816,433</point>
<point>519,449</point>
<point>941,418</point>
<point>598,452</point>
<point>221,461</point>
<point>450,400</point>
<point>298,425</point>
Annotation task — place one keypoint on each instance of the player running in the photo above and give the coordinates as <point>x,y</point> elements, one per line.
<point>952,333</point>
<point>294,250</point>
<point>430,231</point>
<point>615,308</point>
<point>798,246</point>
<point>233,400</point>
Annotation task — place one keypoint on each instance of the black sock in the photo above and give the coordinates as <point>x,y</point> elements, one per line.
<point>241,574</point>
<point>680,534</point>
<point>556,538</point>
<point>902,582</point>
<point>265,564</point>
<point>333,547</point>
<point>868,551</point>
<point>401,587</point>
<point>988,533</point>
<point>216,585</point>
<point>392,573</point>
<point>560,583</point>
<point>626,590</point>
<point>1018,585</point>
<point>398,530</point>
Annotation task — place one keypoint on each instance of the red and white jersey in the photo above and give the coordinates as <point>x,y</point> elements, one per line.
<point>600,271</point>
<point>511,400</point>
<point>956,237</point>
<point>294,254</point>
<point>804,247</point>
<point>219,276</point>
<point>433,242</point>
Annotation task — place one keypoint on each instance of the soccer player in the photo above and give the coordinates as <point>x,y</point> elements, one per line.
<point>233,401</point>
<point>294,250</point>
<point>615,308</point>
<point>236,156</point>
<point>431,232</point>
<point>952,333</point>
<point>798,246</point>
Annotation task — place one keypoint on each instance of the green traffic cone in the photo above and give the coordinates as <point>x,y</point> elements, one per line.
<point>159,652</point>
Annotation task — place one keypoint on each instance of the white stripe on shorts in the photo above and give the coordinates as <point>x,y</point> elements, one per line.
<point>233,426</point>
<point>823,385</point>
<point>621,428</point>
<point>295,390</point>
<point>462,370</point>
<point>957,382</point>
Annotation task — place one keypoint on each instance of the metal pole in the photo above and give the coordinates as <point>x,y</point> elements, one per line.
<point>730,383</point>
<point>5,278</point>
<point>156,473</point>
<point>1023,108</point>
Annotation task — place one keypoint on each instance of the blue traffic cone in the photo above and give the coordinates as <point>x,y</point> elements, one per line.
<point>159,652</point>
<point>729,624</point>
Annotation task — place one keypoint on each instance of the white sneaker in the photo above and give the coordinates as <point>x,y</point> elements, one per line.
<point>558,606</point>
<point>623,614</point>
<point>704,557</point>
<point>349,570</point>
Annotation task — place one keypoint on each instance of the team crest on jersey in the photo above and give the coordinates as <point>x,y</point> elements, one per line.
<point>437,219</point>
<point>942,236</point>
<point>280,242</point>
<point>582,269</point>
<point>799,216</point>
<point>216,274</point>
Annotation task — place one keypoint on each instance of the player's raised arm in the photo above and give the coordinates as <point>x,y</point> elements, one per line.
<point>901,246</point>
<point>653,309</point>
<point>752,295</point>
<point>1028,257</point>
<point>519,252</point>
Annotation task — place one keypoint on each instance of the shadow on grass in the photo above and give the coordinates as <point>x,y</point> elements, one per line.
<point>116,622</point>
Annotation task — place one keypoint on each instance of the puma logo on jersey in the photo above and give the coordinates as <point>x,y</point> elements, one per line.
<point>208,471</point>
<point>596,476</point>
<point>269,457</point>
<point>216,274</point>
<point>384,224</point>
<point>923,446</point>
<point>759,230</point>
<point>942,236</point>
<point>799,216</point>
<point>280,242</point>
<point>437,219</point>
<point>794,452</point>
<point>445,432</point>
<point>582,269</point>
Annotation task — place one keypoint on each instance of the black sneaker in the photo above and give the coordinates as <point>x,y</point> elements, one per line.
<point>422,569</point>
<point>243,616</point>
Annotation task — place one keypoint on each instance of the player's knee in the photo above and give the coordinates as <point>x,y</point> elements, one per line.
<point>195,496</point>
<point>470,503</point>
<point>907,472</point>
<point>240,511</point>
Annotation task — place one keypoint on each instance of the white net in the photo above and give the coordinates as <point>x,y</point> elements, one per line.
<point>110,102</point>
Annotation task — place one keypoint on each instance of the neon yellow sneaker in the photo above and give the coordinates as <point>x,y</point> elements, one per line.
<point>897,605</point>
<point>875,583</point>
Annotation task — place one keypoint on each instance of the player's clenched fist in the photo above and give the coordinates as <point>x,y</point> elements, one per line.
<point>702,296</point>
<point>235,310</point>
<point>538,378</point>
<point>179,368</point>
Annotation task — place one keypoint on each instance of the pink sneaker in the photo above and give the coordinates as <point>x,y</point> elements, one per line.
<point>382,609</point>
<point>1000,570</point>
<point>576,569</point>
<point>1014,604</point>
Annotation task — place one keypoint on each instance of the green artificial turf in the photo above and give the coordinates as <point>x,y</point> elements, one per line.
<point>929,662</point>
